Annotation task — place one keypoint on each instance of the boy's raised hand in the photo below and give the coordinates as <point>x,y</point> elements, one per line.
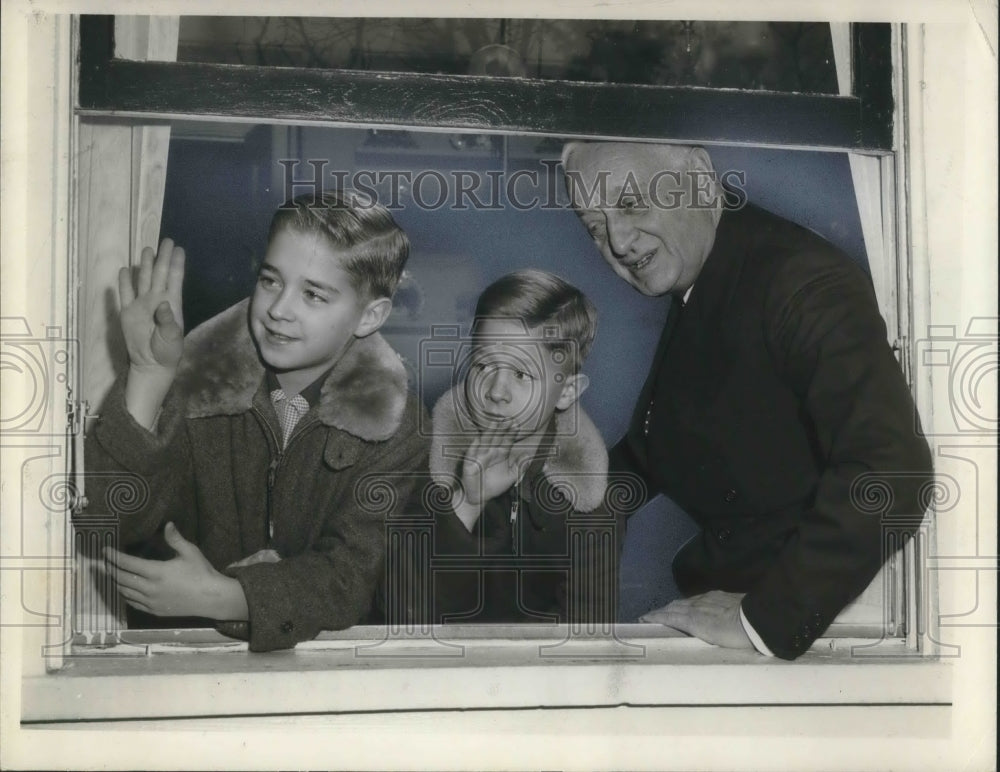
<point>153,327</point>
<point>151,308</point>
<point>488,469</point>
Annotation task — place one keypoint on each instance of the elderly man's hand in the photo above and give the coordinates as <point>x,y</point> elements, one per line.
<point>713,617</point>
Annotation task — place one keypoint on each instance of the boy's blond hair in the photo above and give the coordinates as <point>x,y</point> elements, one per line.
<point>376,247</point>
<point>540,299</point>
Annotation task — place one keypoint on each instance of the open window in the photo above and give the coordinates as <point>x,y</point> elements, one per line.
<point>199,127</point>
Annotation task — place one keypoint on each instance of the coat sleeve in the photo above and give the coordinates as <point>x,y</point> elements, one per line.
<point>144,478</point>
<point>333,585</point>
<point>829,342</point>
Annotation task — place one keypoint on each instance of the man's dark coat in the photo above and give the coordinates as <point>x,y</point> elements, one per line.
<point>777,416</point>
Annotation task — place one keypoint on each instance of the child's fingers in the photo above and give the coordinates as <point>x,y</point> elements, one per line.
<point>161,266</point>
<point>147,569</point>
<point>134,599</point>
<point>487,455</point>
<point>474,446</point>
<point>498,437</point>
<point>126,292</point>
<point>131,582</point>
<point>144,280</point>
<point>175,277</point>
<point>489,441</point>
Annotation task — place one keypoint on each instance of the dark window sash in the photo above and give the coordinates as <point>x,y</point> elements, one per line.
<point>485,104</point>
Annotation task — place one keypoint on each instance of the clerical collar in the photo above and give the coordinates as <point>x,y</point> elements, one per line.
<point>687,294</point>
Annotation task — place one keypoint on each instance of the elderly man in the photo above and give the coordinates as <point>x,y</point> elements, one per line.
<point>773,398</point>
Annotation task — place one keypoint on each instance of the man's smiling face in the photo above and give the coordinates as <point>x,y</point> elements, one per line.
<point>644,216</point>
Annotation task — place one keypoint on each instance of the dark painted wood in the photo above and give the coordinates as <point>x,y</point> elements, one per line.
<point>872,82</point>
<point>469,103</point>
<point>97,48</point>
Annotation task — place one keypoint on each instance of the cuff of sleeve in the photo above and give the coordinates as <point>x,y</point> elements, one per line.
<point>272,618</point>
<point>238,630</point>
<point>755,639</point>
<point>129,444</point>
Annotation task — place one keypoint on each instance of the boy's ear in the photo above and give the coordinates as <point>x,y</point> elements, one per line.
<point>573,388</point>
<point>373,317</point>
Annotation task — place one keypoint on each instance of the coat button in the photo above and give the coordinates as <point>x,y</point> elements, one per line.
<point>730,495</point>
<point>287,627</point>
<point>723,535</point>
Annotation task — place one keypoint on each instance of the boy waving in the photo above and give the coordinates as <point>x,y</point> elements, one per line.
<point>260,433</point>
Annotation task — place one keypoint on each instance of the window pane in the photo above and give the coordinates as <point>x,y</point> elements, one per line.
<point>777,56</point>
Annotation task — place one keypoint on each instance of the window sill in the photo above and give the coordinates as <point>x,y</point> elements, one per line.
<point>500,668</point>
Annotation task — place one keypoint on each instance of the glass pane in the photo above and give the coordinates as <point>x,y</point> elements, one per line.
<point>777,56</point>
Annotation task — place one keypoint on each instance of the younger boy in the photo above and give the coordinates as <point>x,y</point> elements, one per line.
<point>520,534</point>
<point>259,434</point>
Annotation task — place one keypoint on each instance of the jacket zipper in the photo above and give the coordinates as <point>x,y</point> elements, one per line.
<point>272,473</point>
<point>515,505</point>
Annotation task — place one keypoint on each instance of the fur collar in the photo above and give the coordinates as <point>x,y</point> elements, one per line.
<point>580,462</point>
<point>364,395</point>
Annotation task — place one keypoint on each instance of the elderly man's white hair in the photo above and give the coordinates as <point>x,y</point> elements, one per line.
<point>649,164</point>
<point>663,155</point>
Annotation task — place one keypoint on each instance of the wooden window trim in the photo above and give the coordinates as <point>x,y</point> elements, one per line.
<point>862,121</point>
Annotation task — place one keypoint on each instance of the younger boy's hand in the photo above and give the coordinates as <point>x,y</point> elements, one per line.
<point>489,467</point>
<point>186,585</point>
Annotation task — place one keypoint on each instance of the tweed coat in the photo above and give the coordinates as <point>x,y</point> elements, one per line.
<point>773,410</point>
<point>214,466</point>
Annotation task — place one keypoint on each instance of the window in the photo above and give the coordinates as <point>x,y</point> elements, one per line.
<point>143,94</point>
<point>242,171</point>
